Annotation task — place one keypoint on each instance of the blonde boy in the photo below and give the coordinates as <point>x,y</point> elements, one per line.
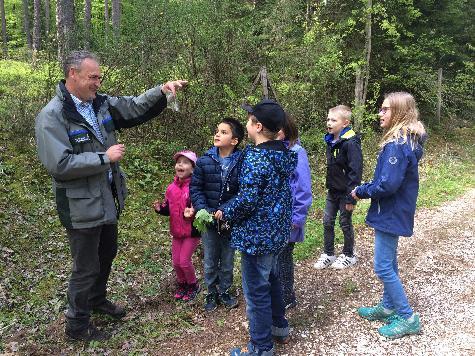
<point>344,171</point>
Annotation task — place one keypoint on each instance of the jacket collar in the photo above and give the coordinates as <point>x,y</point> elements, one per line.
<point>69,107</point>
<point>276,145</point>
<point>182,183</point>
<point>345,134</point>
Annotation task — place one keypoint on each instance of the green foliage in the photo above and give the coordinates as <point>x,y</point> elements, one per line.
<point>202,220</point>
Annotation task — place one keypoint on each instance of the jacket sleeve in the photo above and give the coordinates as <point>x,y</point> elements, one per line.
<point>302,187</point>
<point>130,111</point>
<point>355,169</point>
<point>198,197</point>
<point>245,202</point>
<point>393,164</point>
<point>56,152</point>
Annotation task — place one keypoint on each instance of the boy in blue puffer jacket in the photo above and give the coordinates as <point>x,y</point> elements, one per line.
<point>261,217</point>
<point>215,181</point>
<point>393,194</point>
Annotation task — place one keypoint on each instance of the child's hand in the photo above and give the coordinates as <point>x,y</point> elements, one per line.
<point>156,205</point>
<point>353,194</point>
<point>349,207</point>
<point>218,215</point>
<point>189,212</point>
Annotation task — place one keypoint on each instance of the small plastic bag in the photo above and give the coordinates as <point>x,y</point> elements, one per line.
<point>172,102</point>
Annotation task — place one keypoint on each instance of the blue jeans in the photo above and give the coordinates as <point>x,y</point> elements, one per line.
<point>264,304</point>
<point>218,261</point>
<point>385,267</point>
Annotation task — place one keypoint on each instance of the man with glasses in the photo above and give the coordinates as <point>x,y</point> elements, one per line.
<point>77,143</point>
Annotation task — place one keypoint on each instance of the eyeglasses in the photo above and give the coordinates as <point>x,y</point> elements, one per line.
<point>384,109</point>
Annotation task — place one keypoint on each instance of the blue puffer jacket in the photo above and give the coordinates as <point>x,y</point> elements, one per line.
<point>394,188</point>
<point>261,213</point>
<point>207,190</point>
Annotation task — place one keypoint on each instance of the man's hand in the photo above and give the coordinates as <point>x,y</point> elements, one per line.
<point>218,215</point>
<point>349,207</point>
<point>173,86</point>
<point>115,152</point>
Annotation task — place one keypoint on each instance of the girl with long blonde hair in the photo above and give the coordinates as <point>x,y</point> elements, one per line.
<point>393,192</point>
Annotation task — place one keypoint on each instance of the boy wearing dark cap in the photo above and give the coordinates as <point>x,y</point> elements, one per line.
<point>261,217</point>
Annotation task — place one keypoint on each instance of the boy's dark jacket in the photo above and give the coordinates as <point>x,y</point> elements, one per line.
<point>207,190</point>
<point>344,163</point>
<point>261,213</point>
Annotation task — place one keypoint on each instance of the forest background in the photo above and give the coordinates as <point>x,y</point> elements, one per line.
<point>317,54</point>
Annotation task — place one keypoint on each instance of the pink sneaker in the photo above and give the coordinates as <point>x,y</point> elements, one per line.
<point>181,291</point>
<point>192,292</point>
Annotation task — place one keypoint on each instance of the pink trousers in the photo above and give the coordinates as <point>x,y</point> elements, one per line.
<point>182,251</point>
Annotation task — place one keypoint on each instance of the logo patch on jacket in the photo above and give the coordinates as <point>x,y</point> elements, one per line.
<point>108,124</point>
<point>79,136</point>
<point>392,160</point>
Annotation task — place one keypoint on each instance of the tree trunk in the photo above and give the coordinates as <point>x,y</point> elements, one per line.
<point>4,29</point>
<point>106,19</point>
<point>36,26</point>
<point>26,23</point>
<point>87,24</point>
<point>65,25</point>
<point>362,72</point>
<point>116,18</point>
<point>47,18</point>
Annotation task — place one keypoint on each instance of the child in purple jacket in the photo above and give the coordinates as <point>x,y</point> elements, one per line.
<point>301,184</point>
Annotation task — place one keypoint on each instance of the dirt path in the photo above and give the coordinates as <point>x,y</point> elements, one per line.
<point>437,266</point>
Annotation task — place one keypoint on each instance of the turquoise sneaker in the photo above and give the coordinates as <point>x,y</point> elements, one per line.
<point>375,313</point>
<point>400,327</point>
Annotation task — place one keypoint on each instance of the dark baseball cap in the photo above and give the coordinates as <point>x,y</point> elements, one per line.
<point>269,113</point>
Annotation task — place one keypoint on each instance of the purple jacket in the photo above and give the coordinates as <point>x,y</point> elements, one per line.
<point>301,184</point>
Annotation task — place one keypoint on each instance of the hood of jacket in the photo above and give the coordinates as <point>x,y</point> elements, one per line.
<point>345,134</point>
<point>282,159</point>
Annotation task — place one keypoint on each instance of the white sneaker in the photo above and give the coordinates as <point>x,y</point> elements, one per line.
<point>324,261</point>
<point>344,262</point>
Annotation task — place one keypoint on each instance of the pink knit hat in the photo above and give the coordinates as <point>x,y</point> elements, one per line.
<point>188,154</point>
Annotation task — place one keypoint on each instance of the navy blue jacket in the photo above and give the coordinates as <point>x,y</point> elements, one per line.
<point>394,188</point>
<point>261,213</point>
<point>207,190</point>
<point>344,163</point>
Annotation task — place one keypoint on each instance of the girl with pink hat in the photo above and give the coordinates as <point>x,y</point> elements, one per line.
<point>185,238</point>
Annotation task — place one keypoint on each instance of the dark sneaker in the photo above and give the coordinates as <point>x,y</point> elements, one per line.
<point>192,292</point>
<point>281,339</point>
<point>90,333</point>
<point>111,309</point>
<point>181,291</point>
<point>211,301</point>
<point>291,304</point>
<point>228,300</point>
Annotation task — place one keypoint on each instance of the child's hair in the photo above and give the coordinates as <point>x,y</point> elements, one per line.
<point>236,128</point>
<point>343,112</point>
<point>265,131</point>
<point>290,130</point>
<point>404,119</point>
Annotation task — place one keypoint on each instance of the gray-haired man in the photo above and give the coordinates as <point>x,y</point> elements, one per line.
<point>75,134</point>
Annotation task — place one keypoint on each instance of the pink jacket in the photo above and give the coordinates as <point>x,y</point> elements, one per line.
<point>177,198</point>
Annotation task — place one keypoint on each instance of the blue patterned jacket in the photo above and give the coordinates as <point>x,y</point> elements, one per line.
<point>261,213</point>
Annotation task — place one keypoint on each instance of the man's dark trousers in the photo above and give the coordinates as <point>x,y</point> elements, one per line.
<point>93,250</point>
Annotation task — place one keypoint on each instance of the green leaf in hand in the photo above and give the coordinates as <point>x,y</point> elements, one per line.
<point>202,220</point>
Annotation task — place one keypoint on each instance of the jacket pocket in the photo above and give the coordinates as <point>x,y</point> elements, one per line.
<point>84,205</point>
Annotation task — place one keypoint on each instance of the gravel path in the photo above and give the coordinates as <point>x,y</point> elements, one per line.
<point>437,266</point>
